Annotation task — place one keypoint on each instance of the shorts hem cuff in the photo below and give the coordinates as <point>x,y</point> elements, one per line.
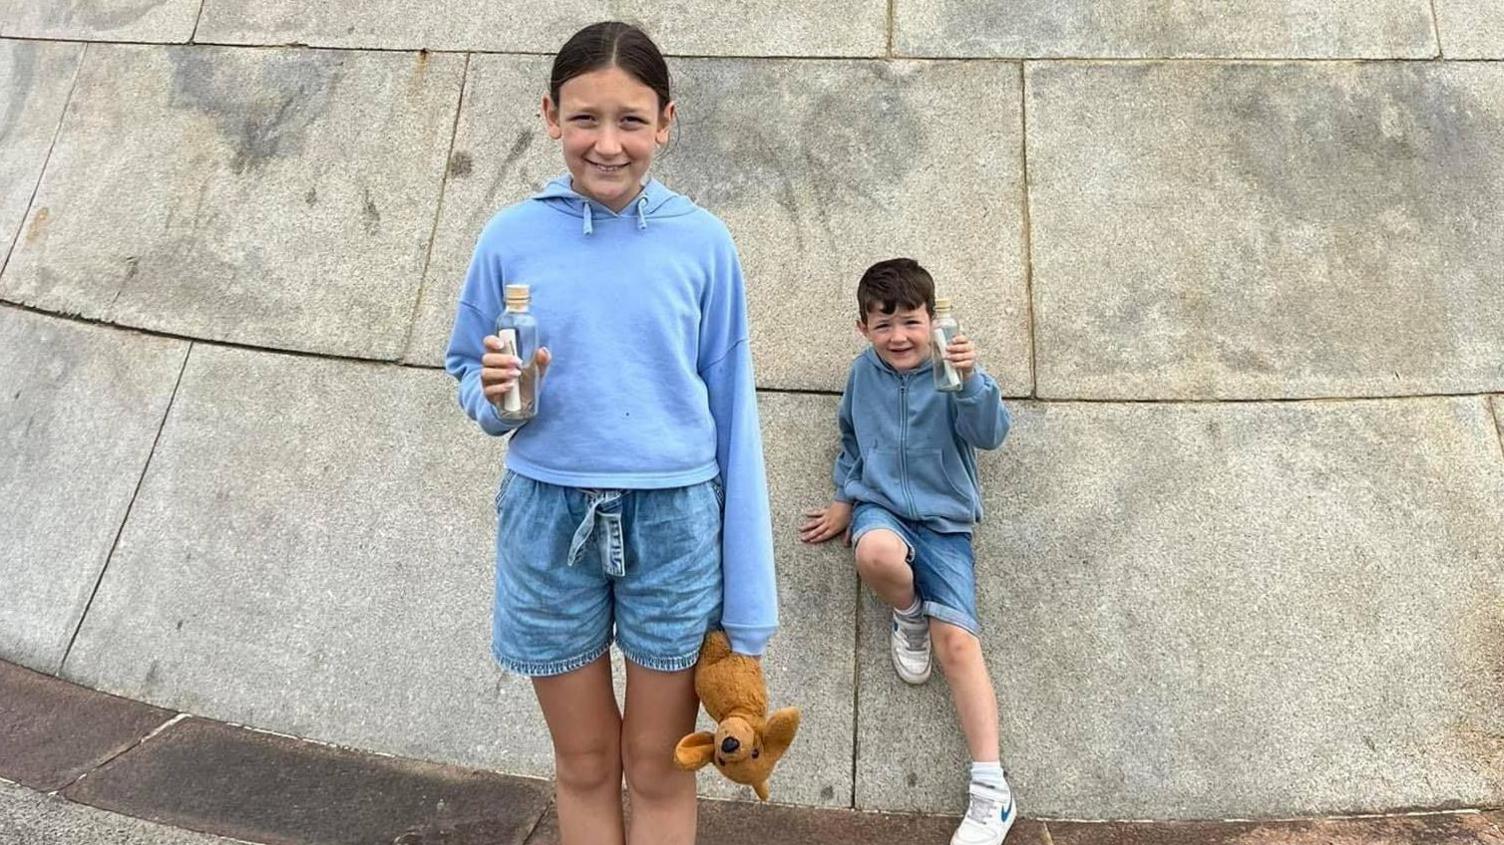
<point>659,664</point>
<point>549,668</point>
<point>950,615</point>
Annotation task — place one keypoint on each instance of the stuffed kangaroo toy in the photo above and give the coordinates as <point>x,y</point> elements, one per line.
<point>747,741</point>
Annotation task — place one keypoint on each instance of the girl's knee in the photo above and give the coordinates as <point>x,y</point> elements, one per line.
<point>651,773</point>
<point>588,769</point>
<point>955,648</point>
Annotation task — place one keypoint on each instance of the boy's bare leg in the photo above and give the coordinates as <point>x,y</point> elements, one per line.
<point>959,653</point>
<point>882,561</point>
<point>580,709</point>
<point>661,709</point>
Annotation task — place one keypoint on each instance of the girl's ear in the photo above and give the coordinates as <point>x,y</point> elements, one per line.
<point>665,120</point>
<point>551,118</point>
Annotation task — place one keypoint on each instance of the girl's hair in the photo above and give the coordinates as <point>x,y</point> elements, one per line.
<point>611,44</point>
<point>893,284</point>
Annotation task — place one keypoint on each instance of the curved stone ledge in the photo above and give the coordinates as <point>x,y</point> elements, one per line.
<point>1247,609</point>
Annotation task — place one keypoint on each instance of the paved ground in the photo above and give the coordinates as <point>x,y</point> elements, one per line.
<point>85,768</point>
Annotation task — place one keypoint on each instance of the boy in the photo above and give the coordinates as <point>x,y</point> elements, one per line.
<point>907,497</point>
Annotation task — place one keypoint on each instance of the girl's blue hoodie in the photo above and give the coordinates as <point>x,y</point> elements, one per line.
<point>651,381</point>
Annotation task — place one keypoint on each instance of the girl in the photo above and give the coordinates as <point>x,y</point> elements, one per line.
<point>638,490</point>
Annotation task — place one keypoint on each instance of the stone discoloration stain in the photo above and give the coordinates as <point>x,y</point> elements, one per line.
<point>263,105</point>
<point>102,14</point>
<point>19,63</point>
<point>1381,165</point>
<point>38,228</point>
<point>1286,230</point>
<point>370,214</point>
<point>852,139</point>
<point>502,181</point>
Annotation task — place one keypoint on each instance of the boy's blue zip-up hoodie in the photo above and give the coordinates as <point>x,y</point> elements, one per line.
<point>909,448</point>
<point>651,382</point>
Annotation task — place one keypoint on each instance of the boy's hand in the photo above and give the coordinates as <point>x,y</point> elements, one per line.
<point>500,371</point>
<point>825,523</point>
<point>962,354</point>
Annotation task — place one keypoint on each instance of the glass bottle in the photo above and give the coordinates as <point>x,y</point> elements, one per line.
<point>518,331</point>
<point>942,331</point>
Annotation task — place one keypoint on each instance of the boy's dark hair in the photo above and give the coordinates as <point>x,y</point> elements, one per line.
<point>611,44</point>
<point>894,284</point>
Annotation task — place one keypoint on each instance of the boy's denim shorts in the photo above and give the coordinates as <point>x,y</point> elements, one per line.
<point>572,564</point>
<point>944,566</point>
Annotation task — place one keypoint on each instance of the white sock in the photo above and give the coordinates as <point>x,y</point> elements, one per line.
<point>911,614</point>
<point>990,775</point>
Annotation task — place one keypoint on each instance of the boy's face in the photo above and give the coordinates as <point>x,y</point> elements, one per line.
<point>902,338</point>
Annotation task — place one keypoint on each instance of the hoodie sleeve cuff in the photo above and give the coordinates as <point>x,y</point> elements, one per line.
<point>492,423</point>
<point>974,386</point>
<point>750,640</point>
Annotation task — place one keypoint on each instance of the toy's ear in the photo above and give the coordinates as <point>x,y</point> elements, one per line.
<point>782,726</point>
<point>694,751</point>
<point>761,788</point>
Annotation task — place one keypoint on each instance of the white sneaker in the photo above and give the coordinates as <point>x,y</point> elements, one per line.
<point>988,819</point>
<point>911,651</point>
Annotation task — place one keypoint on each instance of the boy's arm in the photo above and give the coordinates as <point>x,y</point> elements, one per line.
<point>981,418</point>
<point>846,460</point>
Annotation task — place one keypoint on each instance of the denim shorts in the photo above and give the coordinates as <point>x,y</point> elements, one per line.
<point>944,566</point>
<point>573,564</point>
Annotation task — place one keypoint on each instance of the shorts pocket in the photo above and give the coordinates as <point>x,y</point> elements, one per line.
<point>501,490</point>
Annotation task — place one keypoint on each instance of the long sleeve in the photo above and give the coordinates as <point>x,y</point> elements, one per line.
<point>981,418</point>
<point>750,606</point>
<point>475,317</point>
<point>846,460</point>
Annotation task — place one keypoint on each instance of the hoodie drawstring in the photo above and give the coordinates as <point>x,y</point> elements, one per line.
<point>589,217</point>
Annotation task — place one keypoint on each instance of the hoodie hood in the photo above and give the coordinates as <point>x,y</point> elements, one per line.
<point>655,201</point>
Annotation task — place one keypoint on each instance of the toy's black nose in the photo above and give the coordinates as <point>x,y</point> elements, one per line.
<point>730,744</point>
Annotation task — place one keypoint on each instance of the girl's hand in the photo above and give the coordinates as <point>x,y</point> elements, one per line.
<point>500,371</point>
<point>825,523</point>
<point>962,354</point>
